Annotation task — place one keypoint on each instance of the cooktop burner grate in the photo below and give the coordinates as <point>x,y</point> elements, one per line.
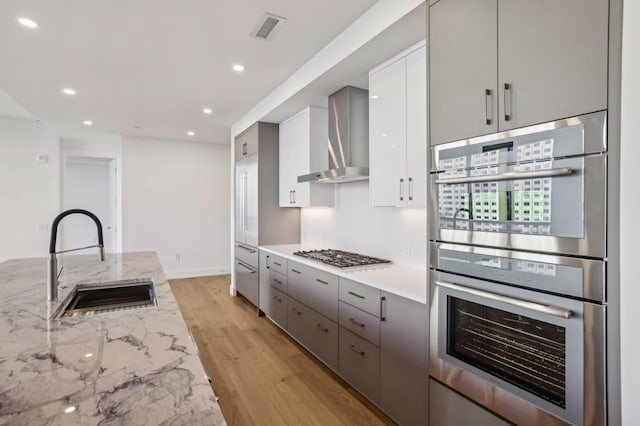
<point>341,259</point>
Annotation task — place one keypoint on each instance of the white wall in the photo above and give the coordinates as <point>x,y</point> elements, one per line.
<point>398,234</point>
<point>629,210</point>
<point>29,190</point>
<point>176,199</point>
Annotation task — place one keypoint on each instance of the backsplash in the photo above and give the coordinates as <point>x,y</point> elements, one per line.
<point>398,234</point>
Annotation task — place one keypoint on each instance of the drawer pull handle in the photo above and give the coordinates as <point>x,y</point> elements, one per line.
<point>356,350</point>
<point>356,322</point>
<point>277,298</point>
<point>277,280</point>
<point>276,263</point>
<point>326,330</point>
<point>322,282</point>
<point>296,271</point>
<point>356,295</point>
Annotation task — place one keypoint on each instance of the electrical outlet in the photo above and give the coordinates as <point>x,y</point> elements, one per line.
<point>177,256</point>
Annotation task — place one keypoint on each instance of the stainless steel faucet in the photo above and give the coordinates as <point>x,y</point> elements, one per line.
<point>52,270</point>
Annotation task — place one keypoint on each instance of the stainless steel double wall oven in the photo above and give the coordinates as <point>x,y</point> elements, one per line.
<point>518,262</point>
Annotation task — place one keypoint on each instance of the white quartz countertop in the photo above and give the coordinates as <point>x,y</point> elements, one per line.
<point>130,367</point>
<point>401,280</point>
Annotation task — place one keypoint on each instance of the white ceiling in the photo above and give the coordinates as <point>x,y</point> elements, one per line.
<point>156,63</point>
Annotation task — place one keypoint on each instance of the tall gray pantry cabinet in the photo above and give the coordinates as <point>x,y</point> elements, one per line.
<point>258,217</point>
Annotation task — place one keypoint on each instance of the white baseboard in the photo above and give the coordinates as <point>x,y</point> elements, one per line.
<point>190,273</point>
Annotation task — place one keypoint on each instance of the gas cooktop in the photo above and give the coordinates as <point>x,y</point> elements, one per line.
<point>341,259</point>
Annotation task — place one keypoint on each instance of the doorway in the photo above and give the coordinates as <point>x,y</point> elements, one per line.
<point>89,183</point>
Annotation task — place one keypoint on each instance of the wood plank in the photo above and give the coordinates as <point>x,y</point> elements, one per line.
<point>259,373</point>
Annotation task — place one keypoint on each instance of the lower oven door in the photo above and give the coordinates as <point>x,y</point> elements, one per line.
<point>530,357</point>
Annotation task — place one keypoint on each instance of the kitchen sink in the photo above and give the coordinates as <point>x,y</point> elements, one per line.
<point>89,299</point>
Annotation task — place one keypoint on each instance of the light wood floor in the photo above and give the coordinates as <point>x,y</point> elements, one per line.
<point>260,374</point>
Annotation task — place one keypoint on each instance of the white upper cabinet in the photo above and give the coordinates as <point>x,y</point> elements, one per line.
<point>398,130</point>
<point>496,65</point>
<point>303,149</point>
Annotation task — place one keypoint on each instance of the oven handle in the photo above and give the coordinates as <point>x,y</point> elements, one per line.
<point>545,309</point>
<point>560,171</point>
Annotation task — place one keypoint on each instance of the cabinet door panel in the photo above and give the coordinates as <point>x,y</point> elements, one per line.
<point>299,158</point>
<point>359,363</point>
<point>554,56</point>
<point>462,65</point>
<point>278,305</point>
<point>387,134</point>
<point>450,409</point>
<point>403,360</point>
<point>417,128</point>
<point>240,202</point>
<point>284,159</point>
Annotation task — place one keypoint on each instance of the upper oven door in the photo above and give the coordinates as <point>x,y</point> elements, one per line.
<point>540,188</point>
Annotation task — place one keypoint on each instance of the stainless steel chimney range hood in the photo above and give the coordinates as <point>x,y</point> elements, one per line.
<point>348,138</point>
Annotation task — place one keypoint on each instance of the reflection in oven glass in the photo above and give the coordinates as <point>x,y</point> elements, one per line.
<point>523,351</point>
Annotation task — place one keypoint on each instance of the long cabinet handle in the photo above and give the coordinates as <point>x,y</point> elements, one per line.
<point>487,103</point>
<point>508,97</point>
<point>359,324</point>
<point>545,309</point>
<point>383,301</point>
<point>248,268</point>
<point>250,250</point>
<point>294,197</point>
<point>296,271</point>
<point>535,174</point>
<point>410,185</point>
<point>322,281</point>
<point>355,295</point>
<point>401,189</point>
<point>246,201</point>
<point>356,350</point>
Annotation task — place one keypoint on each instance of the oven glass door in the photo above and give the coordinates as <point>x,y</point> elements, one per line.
<point>530,344</point>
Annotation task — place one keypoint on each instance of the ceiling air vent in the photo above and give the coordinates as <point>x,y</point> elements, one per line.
<point>267,26</point>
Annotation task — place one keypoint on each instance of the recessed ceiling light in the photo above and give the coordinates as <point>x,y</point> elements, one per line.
<point>69,91</point>
<point>207,110</point>
<point>238,68</point>
<point>137,127</point>
<point>29,23</point>
<point>87,122</point>
<point>190,133</point>
<point>374,96</point>
<point>69,409</point>
<point>89,355</point>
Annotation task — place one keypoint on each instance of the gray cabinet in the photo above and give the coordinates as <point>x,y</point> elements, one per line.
<point>462,69</point>
<point>314,331</point>
<point>360,364</point>
<point>500,64</point>
<point>447,408</point>
<point>315,288</point>
<point>278,311</point>
<point>258,217</point>
<point>403,360</point>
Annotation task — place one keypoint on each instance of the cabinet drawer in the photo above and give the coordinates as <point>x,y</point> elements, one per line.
<point>361,323</point>
<point>359,363</point>
<point>278,264</point>
<point>316,289</point>
<point>279,307</point>
<point>278,280</point>
<point>361,296</point>
<point>247,254</point>
<point>316,332</point>
<point>323,338</point>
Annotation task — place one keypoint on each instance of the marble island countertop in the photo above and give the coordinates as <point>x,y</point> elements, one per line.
<point>404,281</point>
<point>130,367</point>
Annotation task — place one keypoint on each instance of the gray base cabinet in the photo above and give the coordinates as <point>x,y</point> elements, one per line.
<point>374,340</point>
<point>447,408</point>
<point>403,360</point>
<point>313,330</point>
<point>360,364</point>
